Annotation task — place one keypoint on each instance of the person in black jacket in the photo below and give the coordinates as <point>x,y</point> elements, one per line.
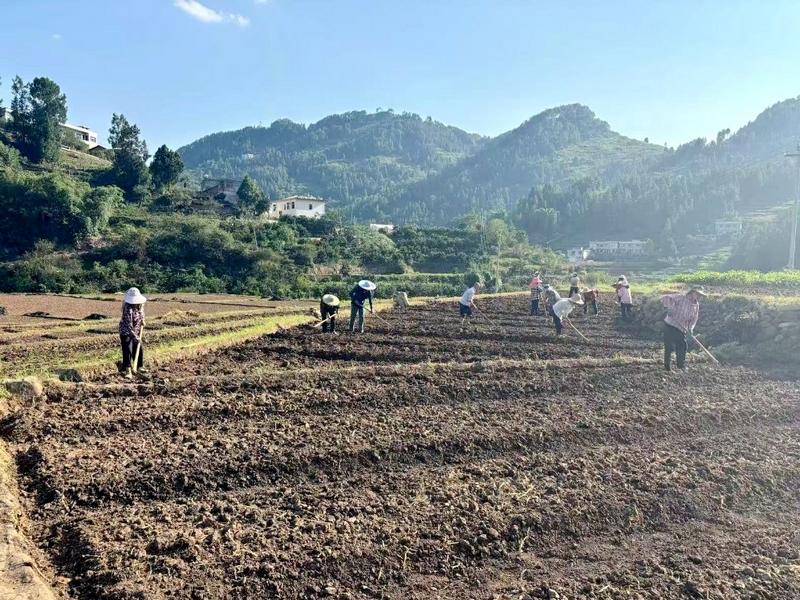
<point>358,297</point>
<point>329,309</point>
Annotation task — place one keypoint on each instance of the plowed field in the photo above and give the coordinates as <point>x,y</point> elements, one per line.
<point>421,461</point>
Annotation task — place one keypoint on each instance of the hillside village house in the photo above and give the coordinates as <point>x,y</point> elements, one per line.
<point>619,247</point>
<point>728,227</point>
<point>85,134</point>
<point>603,246</point>
<point>576,255</point>
<point>297,206</point>
<point>386,228</point>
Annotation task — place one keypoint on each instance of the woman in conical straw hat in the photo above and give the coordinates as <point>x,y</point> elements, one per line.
<point>329,309</point>
<point>130,331</point>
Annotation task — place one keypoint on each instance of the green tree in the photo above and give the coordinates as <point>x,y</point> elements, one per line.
<point>37,111</point>
<point>251,198</point>
<point>130,158</point>
<point>166,168</point>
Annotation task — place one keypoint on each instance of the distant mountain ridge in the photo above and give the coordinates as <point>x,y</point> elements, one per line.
<point>399,167</point>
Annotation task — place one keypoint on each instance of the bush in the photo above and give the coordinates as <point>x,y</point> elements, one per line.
<point>740,278</point>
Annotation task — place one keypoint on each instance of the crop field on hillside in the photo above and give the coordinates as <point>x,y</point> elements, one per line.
<point>420,461</point>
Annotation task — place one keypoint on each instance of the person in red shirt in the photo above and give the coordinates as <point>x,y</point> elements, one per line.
<point>590,296</point>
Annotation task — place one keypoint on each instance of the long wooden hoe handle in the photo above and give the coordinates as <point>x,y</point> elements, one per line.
<point>703,348</point>
<point>135,365</point>
<point>576,330</point>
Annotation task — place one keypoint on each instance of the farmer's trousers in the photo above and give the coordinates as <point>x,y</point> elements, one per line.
<point>535,308</point>
<point>357,311</point>
<point>557,322</point>
<point>674,340</point>
<point>593,304</point>
<point>129,345</point>
<point>572,291</point>
<point>328,311</point>
<point>626,310</point>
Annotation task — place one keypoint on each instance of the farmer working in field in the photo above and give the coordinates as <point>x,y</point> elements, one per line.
<point>536,294</point>
<point>682,313</point>
<point>624,297</point>
<point>574,284</point>
<point>466,303</point>
<point>551,296</point>
<point>358,298</point>
<point>561,310</point>
<point>329,309</point>
<point>590,296</point>
<point>130,332</point>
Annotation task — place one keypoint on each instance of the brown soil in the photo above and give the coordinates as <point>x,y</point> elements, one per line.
<point>419,461</point>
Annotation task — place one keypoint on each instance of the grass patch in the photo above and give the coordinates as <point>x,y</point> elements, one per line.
<point>787,278</point>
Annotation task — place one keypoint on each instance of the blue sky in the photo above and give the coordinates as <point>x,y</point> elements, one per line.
<point>181,69</point>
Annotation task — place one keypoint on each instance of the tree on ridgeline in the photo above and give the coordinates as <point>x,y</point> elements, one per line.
<point>37,111</point>
<point>166,168</point>
<point>130,158</point>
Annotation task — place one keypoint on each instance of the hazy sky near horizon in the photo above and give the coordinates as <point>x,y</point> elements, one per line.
<point>671,70</point>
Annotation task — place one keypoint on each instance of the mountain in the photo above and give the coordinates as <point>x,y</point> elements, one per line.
<point>360,162</point>
<point>556,146</point>
<point>401,168</point>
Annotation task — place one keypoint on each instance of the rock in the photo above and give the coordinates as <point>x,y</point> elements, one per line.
<point>96,317</point>
<point>27,388</point>
<point>788,325</point>
<point>553,595</point>
<point>2,310</point>
<point>401,300</point>
<point>779,338</point>
<point>72,375</point>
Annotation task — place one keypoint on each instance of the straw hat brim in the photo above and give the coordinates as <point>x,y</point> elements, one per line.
<point>366,284</point>
<point>330,300</point>
<point>135,298</point>
<point>576,300</point>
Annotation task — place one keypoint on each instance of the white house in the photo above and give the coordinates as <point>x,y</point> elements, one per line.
<point>297,206</point>
<point>726,227</point>
<point>604,246</point>
<point>576,255</point>
<point>85,134</point>
<point>633,247</point>
<point>387,228</point>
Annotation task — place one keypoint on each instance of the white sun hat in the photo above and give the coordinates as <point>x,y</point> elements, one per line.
<point>366,284</point>
<point>330,300</point>
<point>576,300</point>
<point>585,290</point>
<point>134,296</point>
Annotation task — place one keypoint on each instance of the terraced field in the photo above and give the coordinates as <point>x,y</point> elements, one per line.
<point>420,461</point>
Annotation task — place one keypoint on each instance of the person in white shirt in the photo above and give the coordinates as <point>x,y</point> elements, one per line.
<point>562,308</point>
<point>574,285</point>
<point>465,303</point>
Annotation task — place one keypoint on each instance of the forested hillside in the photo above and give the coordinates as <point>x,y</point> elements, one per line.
<point>563,174</point>
<point>399,167</point>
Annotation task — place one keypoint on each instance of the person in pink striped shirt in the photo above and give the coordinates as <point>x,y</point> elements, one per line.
<point>683,311</point>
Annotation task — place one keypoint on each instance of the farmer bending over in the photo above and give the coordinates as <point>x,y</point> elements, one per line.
<point>590,298</point>
<point>561,310</point>
<point>329,309</point>
<point>551,297</point>
<point>130,331</point>
<point>682,313</point>
<point>358,297</point>
<point>465,303</point>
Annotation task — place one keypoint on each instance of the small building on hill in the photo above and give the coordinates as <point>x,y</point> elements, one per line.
<point>632,247</point>
<point>86,135</point>
<point>604,246</point>
<point>297,206</point>
<point>576,255</point>
<point>727,227</point>
<point>386,228</point>
<point>224,190</point>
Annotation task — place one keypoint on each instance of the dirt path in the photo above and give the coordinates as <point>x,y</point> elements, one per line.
<point>420,461</point>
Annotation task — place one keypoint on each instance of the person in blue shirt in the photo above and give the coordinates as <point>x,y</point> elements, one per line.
<point>359,295</point>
